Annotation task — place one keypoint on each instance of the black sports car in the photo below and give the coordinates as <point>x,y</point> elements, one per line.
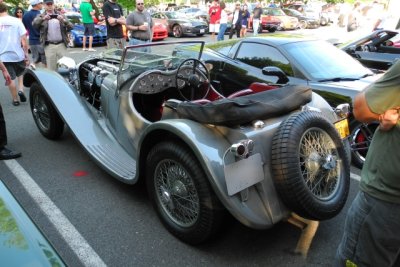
<point>376,50</point>
<point>326,69</point>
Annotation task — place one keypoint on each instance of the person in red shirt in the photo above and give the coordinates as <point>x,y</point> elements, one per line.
<point>215,16</point>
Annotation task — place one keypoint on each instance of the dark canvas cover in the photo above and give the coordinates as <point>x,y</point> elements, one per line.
<point>244,109</point>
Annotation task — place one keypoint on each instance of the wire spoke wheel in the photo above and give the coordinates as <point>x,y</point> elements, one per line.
<point>177,193</point>
<point>181,193</point>
<point>318,161</point>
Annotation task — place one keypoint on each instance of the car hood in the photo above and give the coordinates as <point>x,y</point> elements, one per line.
<point>342,92</point>
<point>80,27</point>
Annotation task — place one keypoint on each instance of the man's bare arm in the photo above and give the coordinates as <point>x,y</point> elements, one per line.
<point>361,109</point>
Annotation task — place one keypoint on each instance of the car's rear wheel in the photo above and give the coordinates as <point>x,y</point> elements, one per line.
<point>272,30</point>
<point>310,166</point>
<point>360,139</point>
<point>177,31</point>
<point>181,193</point>
<point>44,114</point>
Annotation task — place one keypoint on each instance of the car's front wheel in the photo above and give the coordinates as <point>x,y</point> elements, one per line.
<point>181,193</point>
<point>44,114</point>
<point>310,166</point>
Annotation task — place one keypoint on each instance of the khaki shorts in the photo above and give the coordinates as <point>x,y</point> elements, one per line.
<point>115,43</point>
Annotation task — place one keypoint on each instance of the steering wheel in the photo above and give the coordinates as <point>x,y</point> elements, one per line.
<point>195,76</point>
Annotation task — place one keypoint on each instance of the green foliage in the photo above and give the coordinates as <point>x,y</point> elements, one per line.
<point>18,3</point>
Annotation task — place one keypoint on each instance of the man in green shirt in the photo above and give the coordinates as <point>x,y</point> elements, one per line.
<point>371,236</point>
<point>87,12</point>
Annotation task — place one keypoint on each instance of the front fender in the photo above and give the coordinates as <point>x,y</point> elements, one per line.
<point>209,144</point>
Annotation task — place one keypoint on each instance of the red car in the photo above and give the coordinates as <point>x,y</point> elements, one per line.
<point>160,31</point>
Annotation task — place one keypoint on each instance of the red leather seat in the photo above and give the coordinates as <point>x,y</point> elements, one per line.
<point>261,87</point>
<point>241,93</point>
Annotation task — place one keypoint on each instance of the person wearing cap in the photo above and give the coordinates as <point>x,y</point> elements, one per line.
<point>13,50</point>
<point>37,49</point>
<point>53,28</point>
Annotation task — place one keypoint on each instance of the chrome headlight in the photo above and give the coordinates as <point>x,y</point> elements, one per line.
<point>343,110</point>
<point>66,63</point>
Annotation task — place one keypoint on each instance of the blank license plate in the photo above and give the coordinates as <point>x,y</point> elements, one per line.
<point>202,30</point>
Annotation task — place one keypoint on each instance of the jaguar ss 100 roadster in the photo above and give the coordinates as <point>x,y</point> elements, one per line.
<point>149,113</point>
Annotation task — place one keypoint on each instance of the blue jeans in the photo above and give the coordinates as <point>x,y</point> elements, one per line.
<point>221,33</point>
<point>371,233</point>
<point>133,41</point>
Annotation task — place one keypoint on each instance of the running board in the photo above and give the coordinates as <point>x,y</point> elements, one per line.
<point>114,160</point>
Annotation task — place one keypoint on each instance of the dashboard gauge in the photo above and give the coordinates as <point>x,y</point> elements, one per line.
<point>160,78</point>
<point>142,82</point>
<point>151,77</point>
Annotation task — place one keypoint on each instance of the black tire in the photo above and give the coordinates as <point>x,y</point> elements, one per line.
<point>272,29</point>
<point>303,24</point>
<point>323,22</point>
<point>198,219</point>
<point>310,167</point>
<point>200,34</point>
<point>44,114</point>
<point>177,31</point>
<point>360,139</point>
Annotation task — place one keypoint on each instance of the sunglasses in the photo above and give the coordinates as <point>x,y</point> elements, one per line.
<point>49,4</point>
<point>140,4</point>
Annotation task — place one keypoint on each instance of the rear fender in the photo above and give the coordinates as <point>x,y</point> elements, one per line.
<point>262,207</point>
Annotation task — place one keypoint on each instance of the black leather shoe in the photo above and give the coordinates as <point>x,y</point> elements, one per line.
<point>6,153</point>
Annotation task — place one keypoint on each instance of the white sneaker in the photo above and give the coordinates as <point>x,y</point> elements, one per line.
<point>91,50</point>
<point>84,49</point>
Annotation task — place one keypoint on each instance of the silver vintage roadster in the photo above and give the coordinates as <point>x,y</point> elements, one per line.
<point>148,113</point>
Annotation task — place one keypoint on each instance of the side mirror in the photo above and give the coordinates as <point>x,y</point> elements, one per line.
<point>275,71</point>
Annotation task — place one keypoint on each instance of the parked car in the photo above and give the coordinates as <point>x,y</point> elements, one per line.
<point>179,25</point>
<point>77,32</point>
<point>197,13</point>
<point>375,50</point>
<point>155,117</point>
<point>22,243</point>
<point>312,12</point>
<point>304,21</point>
<point>287,22</point>
<point>326,69</point>
<point>160,31</point>
<point>268,22</point>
